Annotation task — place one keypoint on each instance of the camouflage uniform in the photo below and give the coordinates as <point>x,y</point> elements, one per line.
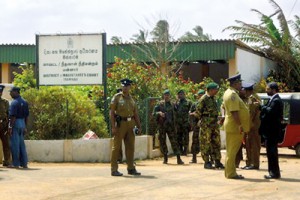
<point>166,126</point>
<point>195,149</point>
<point>210,142</point>
<point>4,106</point>
<point>182,108</point>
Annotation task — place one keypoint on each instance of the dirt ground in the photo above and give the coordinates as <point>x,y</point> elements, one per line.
<point>158,181</point>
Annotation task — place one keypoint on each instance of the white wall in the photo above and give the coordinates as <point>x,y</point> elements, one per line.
<point>94,150</point>
<point>252,66</point>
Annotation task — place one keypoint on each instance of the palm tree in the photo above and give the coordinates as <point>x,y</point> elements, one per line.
<point>276,42</point>
<point>188,36</point>
<point>116,40</point>
<point>140,37</point>
<point>161,32</point>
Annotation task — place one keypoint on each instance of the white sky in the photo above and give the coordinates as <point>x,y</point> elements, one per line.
<point>20,20</point>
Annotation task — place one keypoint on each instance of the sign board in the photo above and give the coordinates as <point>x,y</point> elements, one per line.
<point>73,59</point>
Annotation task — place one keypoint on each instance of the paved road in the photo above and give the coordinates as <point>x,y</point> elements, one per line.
<point>158,181</point>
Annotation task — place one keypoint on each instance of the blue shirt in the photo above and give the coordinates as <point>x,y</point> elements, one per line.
<point>19,108</point>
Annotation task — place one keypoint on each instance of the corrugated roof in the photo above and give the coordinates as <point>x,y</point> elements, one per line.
<point>17,53</point>
<point>186,51</point>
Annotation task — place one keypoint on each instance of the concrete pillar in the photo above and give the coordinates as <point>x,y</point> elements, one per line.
<point>68,151</point>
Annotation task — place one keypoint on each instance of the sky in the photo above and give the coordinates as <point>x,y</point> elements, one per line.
<point>21,20</point>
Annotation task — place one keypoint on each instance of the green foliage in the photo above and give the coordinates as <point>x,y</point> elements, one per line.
<point>199,35</point>
<point>275,40</point>
<point>62,113</point>
<point>150,82</point>
<point>26,79</point>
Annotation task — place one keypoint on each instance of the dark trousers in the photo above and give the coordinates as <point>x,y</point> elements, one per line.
<point>272,154</point>
<point>5,146</point>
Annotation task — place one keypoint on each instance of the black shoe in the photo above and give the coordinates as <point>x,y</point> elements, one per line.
<point>250,167</point>
<point>272,177</point>
<point>133,172</point>
<point>165,159</point>
<point>219,165</point>
<point>116,173</point>
<point>179,161</point>
<point>194,159</point>
<point>208,165</point>
<point>238,177</point>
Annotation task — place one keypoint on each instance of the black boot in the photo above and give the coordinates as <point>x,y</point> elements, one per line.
<point>208,165</point>
<point>165,159</point>
<point>179,161</point>
<point>184,152</point>
<point>194,159</point>
<point>219,165</point>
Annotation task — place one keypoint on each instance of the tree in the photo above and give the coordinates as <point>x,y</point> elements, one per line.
<point>188,36</point>
<point>140,37</point>
<point>276,42</point>
<point>161,32</point>
<point>160,50</point>
<point>116,40</point>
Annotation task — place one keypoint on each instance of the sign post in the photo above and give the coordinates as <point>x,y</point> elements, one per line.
<point>72,59</point>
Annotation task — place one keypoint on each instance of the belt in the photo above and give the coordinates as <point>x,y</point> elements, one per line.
<point>127,119</point>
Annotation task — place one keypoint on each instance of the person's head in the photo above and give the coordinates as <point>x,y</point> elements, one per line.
<point>242,93</point>
<point>167,95</point>
<point>235,81</point>
<point>272,88</point>
<point>126,84</point>
<point>212,88</point>
<point>248,88</point>
<point>180,94</point>
<point>15,92</point>
<point>200,93</point>
<point>1,89</point>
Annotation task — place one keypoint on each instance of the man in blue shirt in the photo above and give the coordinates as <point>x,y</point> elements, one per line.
<point>18,114</point>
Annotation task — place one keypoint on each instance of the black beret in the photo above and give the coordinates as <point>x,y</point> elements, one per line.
<point>15,89</point>
<point>126,82</point>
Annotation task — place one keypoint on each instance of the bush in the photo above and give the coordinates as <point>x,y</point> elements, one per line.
<point>62,113</point>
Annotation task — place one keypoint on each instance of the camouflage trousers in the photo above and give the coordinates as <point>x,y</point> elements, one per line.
<point>210,143</point>
<point>163,131</point>
<point>183,136</point>
<point>195,149</point>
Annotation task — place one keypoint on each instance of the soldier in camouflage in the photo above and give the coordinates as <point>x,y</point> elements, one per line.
<point>182,108</point>
<point>195,149</point>
<point>4,106</point>
<point>210,141</point>
<point>165,116</point>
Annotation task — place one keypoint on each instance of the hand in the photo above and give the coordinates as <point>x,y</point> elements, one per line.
<point>113,131</point>
<point>9,132</point>
<point>162,114</point>
<point>241,129</point>
<point>192,113</point>
<point>221,120</point>
<point>25,131</point>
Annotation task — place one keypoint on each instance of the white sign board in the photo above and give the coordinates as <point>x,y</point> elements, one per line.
<point>70,59</point>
